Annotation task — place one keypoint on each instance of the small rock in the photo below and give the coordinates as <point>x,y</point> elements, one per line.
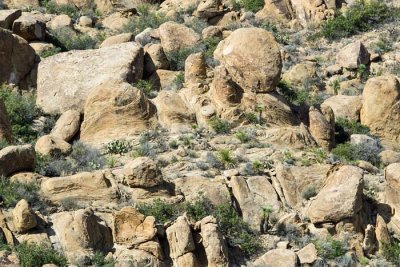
<point>308,254</point>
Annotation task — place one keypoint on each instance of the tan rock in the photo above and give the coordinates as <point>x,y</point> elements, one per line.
<point>308,254</point>
<point>381,106</point>
<point>164,80</point>
<point>278,258</point>
<point>352,55</point>
<point>85,21</point>
<point>18,58</point>
<point>41,47</point>
<point>142,172</point>
<point>21,3</point>
<point>65,77</point>
<point>154,59</point>
<point>128,257</point>
<point>153,248</point>
<point>50,145</point>
<point>5,125</point>
<point>16,158</point>
<point>388,157</point>
<point>209,9</point>
<point>82,187</point>
<point>116,111</point>
<point>321,129</point>
<point>288,185</point>
<point>80,233</point>
<point>392,177</point>
<point>115,22</point>
<point>67,125</point>
<point>180,239</point>
<point>117,39</point>
<point>175,36</point>
<point>300,74</point>
<point>212,31</point>
<point>29,28</point>
<point>346,107</point>
<point>24,218</point>
<point>60,21</point>
<point>381,233</point>
<point>8,16</point>
<point>252,57</point>
<point>195,69</point>
<point>339,198</point>
<point>132,228</point>
<point>292,136</point>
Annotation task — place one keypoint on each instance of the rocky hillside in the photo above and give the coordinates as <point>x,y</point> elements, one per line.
<point>199,133</point>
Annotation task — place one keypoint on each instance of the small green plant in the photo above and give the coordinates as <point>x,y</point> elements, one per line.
<point>251,117</point>
<point>147,19</point>
<point>66,9</point>
<point>279,36</point>
<point>288,156</point>
<point>160,210</point>
<point>50,52</point>
<point>330,248</point>
<point>99,260</point>
<point>198,208</point>
<point>12,192</point>
<point>384,44</point>
<point>173,144</point>
<point>146,87</point>
<point>309,192</point>
<point>391,252</point>
<point>252,5</point>
<point>120,146</point>
<point>257,166</point>
<point>210,44</point>
<point>68,39</point>
<point>34,255</point>
<point>335,86</point>
<point>320,155</point>
<point>242,136</point>
<point>111,162</point>
<point>178,57</point>
<point>179,81</point>
<point>350,153</point>
<point>225,156</point>
<point>362,72</point>
<point>3,143</point>
<point>345,128</point>
<point>266,212</point>
<point>220,126</point>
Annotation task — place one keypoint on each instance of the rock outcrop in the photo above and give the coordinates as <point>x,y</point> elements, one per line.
<point>16,158</point>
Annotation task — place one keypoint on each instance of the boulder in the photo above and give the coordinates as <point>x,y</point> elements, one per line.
<point>67,126</point>
<point>292,136</point>
<point>115,22</point>
<point>209,9</point>
<point>85,21</point>
<point>195,69</point>
<point>41,47</point>
<point>392,197</point>
<point>50,145</point>
<point>278,258</point>
<point>132,228</point>
<point>16,158</point>
<point>288,184</point>
<point>252,57</point>
<point>18,58</point>
<point>321,129</point>
<point>80,233</point>
<point>22,3</point>
<point>135,257</point>
<point>214,243</point>
<point>24,218</point>
<point>145,37</point>
<point>181,243</point>
<point>340,198</point>
<point>65,81</point>
<point>165,80</point>
<point>29,28</point>
<point>353,55</point>
<point>117,39</point>
<point>7,17</point>
<point>300,74</point>
<point>142,172</point>
<point>308,254</point>
<point>60,21</point>
<point>252,195</point>
<point>154,59</point>
<point>381,106</point>
<point>81,187</point>
<point>115,111</point>
<point>175,36</point>
<point>5,125</point>
<point>388,157</point>
<point>346,107</point>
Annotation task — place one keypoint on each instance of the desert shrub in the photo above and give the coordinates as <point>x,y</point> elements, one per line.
<point>146,19</point>
<point>198,208</point>
<point>160,210</point>
<point>144,149</point>
<point>391,252</point>
<point>251,117</point>
<point>99,260</point>
<point>22,112</point>
<point>242,136</point>
<point>345,128</point>
<point>360,17</point>
<point>86,158</point>
<point>50,52</point>
<point>198,25</point>
<point>279,36</point>
<point>173,144</point>
<point>384,44</point>
<point>309,192</point>
<point>330,248</point>
<point>34,255</point>
<point>210,44</point>
<point>119,146</point>
<point>300,96</point>
<point>178,81</point>
<point>12,192</point>
<point>351,153</point>
<point>220,126</point>
<point>225,156</point>
<point>146,87</point>
<point>71,40</point>
<point>252,5</point>
<point>66,9</point>
<point>177,58</point>
<point>214,161</point>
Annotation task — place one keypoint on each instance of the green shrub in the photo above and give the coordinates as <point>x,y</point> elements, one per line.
<point>71,40</point>
<point>257,166</point>
<point>242,136</point>
<point>67,9</point>
<point>252,5</point>
<point>120,146</point>
<point>210,44</point>
<point>220,126</point>
<point>279,37</point>
<point>330,248</point>
<point>351,127</point>
<point>177,58</point>
<point>198,208</point>
<point>147,19</point>
<point>3,143</point>
<point>22,112</point>
<point>160,210</point>
<point>50,52</point>
<point>350,153</point>
<point>391,252</point>
<point>298,96</point>
<point>12,192</point>
<point>360,17</point>
<point>179,81</point>
<point>33,255</point>
<point>384,44</point>
<point>251,117</point>
<point>309,192</point>
<point>225,156</point>
<point>99,260</point>
<point>146,87</point>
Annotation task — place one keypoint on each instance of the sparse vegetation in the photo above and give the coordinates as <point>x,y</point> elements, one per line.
<point>120,146</point>
<point>309,192</point>
<point>225,156</point>
<point>99,260</point>
<point>34,255</point>
<point>391,252</point>
<point>146,87</point>
<point>68,39</point>
<point>330,248</point>
<point>50,52</point>
<point>242,136</point>
<point>252,5</point>
<point>146,19</point>
<point>345,128</point>
<point>66,9</point>
<point>350,153</point>
<point>220,126</point>
<point>12,192</point>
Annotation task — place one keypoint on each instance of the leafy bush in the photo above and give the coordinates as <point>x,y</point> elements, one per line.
<point>50,52</point>
<point>12,192</point>
<point>391,252</point>
<point>279,37</point>
<point>99,260</point>
<point>251,117</point>
<point>345,128</point>
<point>220,126</point>
<point>147,19</point>
<point>177,58</point>
<point>146,87</point>
<point>159,209</point>
<point>120,146</point>
<point>67,9</point>
<point>330,248</point>
<point>350,153</point>
<point>70,40</point>
<point>33,255</point>
<point>360,17</point>
<point>242,136</point>
<point>384,44</point>
<point>252,5</point>
<point>22,112</point>
<point>298,96</point>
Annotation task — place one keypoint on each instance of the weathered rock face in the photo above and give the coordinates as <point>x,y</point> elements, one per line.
<point>23,217</point>
<point>195,69</point>
<point>154,59</point>
<point>81,187</point>
<point>115,111</point>
<point>80,233</point>
<point>308,254</point>
<point>346,107</point>
<point>300,74</point>
<point>175,36</point>
<point>16,158</point>
<point>392,197</point>
<point>340,197</point>
<point>132,228</point>
<point>321,129</point>
<point>67,125</point>
<point>117,39</point>
<point>181,243</point>
<point>137,257</point>
<point>252,195</point>
<point>21,3</point>
<point>252,57</point>
<point>65,81</point>
<point>292,136</point>
<point>7,17</point>
<point>5,126</point>
<point>288,184</point>
<point>353,55</point>
<point>214,243</point>
<point>50,145</point>
<point>142,172</point>
<point>17,58</point>
<point>381,106</point>
<point>278,258</point>
<point>60,21</point>
<point>29,28</point>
